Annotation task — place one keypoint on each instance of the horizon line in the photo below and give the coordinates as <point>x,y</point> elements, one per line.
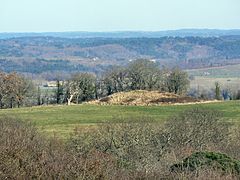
<point>119,31</point>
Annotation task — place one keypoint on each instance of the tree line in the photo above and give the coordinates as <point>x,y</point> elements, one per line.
<point>137,75</point>
<point>16,91</point>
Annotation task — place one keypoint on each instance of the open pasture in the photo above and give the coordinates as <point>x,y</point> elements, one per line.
<point>61,120</point>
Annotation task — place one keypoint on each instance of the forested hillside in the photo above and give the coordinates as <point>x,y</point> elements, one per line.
<point>37,55</point>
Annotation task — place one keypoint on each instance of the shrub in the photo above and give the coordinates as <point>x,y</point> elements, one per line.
<point>209,160</point>
<point>135,142</point>
<point>132,148</point>
<point>143,144</point>
<point>24,154</point>
<point>197,129</point>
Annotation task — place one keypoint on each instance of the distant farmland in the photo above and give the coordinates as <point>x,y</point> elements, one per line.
<point>230,71</point>
<point>205,78</point>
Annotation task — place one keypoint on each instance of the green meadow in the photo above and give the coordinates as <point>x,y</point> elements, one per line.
<point>62,120</point>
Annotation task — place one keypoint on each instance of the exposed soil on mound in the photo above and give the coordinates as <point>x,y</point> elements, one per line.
<point>143,98</point>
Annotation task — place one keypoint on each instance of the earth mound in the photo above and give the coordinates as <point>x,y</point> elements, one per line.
<point>143,98</point>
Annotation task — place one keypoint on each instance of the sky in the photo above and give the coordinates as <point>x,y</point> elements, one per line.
<point>117,15</point>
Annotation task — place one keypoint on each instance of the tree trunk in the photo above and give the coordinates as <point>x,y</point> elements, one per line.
<point>69,100</point>
<point>1,103</point>
<point>11,103</point>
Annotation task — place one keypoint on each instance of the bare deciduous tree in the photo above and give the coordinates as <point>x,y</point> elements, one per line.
<point>81,87</point>
<point>177,81</point>
<point>14,89</point>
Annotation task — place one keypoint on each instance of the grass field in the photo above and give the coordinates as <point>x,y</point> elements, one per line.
<point>61,120</point>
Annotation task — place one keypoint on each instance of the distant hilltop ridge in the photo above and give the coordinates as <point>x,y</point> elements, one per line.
<point>49,55</point>
<point>127,34</point>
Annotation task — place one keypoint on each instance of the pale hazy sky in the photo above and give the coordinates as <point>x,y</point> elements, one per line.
<point>117,15</point>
